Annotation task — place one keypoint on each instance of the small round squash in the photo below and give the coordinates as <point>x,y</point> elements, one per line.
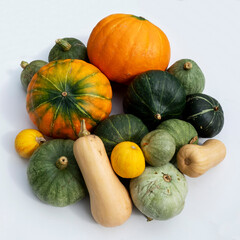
<point>29,69</point>
<point>205,114</point>
<point>159,192</point>
<point>158,147</point>
<point>127,160</point>
<point>68,48</point>
<point>54,175</point>
<point>182,132</point>
<point>27,141</point>
<point>189,74</point>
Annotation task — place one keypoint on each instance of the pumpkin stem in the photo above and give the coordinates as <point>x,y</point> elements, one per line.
<point>139,17</point>
<point>158,116</point>
<point>62,162</point>
<point>65,45</point>
<point>216,108</point>
<point>187,161</point>
<point>40,140</point>
<point>149,219</point>
<point>23,64</point>
<point>187,66</point>
<point>167,178</point>
<point>193,140</point>
<point>83,131</point>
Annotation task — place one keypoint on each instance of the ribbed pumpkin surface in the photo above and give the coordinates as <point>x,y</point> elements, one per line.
<point>58,187</point>
<point>65,91</point>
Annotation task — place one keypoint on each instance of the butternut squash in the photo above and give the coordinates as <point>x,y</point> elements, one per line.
<point>109,200</point>
<point>194,160</point>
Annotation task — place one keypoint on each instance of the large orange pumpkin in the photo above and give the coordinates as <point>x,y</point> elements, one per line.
<point>123,45</point>
<point>63,92</point>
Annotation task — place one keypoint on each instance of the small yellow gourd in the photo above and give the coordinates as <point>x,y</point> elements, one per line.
<point>194,160</point>
<point>127,160</point>
<point>110,202</point>
<point>27,141</point>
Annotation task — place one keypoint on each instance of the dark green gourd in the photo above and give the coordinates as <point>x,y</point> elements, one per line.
<point>29,69</point>
<point>68,48</point>
<point>54,175</point>
<point>189,74</point>
<point>119,128</point>
<point>205,114</point>
<point>154,96</point>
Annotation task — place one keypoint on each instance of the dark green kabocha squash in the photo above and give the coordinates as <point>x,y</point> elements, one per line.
<point>154,96</point>
<point>54,175</point>
<point>29,69</point>
<point>119,128</point>
<point>205,114</point>
<point>189,74</point>
<point>68,48</point>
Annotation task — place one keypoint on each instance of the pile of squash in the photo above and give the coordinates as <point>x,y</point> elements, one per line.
<point>139,156</point>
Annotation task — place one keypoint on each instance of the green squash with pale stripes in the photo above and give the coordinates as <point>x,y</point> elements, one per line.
<point>155,96</point>
<point>54,175</point>
<point>205,114</point>
<point>182,132</point>
<point>119,128</point>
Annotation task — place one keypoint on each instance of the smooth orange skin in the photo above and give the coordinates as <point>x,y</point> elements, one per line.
<point>123,46</point>
<point>57,72</point>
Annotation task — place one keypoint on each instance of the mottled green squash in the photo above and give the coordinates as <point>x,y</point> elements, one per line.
<point>29,69</point>
<point>189,74</point>
<point>68,48</point>
<point>154,96</point>
<point>182,132</point>
<point>205,114</point>
<point>158,147</point>
<point>119,128</point>
<point>54,175</point>
<point>160,192</point>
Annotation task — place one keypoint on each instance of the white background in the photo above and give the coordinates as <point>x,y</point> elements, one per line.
<point>205,31</point>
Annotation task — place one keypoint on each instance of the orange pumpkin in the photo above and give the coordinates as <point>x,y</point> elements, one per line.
<point>123,45</point>
<point>64,92</point>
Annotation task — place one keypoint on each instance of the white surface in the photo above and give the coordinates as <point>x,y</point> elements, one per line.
<point>205,31</point>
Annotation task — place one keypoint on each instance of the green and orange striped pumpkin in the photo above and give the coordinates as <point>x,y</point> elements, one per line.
<point>63,92</point>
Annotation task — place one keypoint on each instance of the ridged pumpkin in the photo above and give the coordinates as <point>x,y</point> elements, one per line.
<point>123,46</point>
<point>65,91</point>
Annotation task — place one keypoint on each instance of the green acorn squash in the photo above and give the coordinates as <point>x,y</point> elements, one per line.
<point>189,74</point>
<point>54,175</point>
<point>154,96</point>
<point>205,114</point>
<point>29,69</point>
<point>158,147</point>
<point>68,48</point>
<point>119,128</point>
<point>159,192</point>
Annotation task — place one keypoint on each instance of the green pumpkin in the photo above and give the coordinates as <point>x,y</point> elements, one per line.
<point>189,74</point>
<point>68,48</point>
<point>182,132</point>
<point>119,128</point>
<point>29,69</point>
<point>158,147</point>
<point>159,192</point>
<point>205,114</point>
<point>154,96</point>
<point>54,175</point>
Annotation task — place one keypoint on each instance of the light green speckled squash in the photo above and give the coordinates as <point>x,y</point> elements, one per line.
<point>54,175</point>
<point>160,192</point>
<point>182,132</point>
<point>189,74</point>
<point>158,147</point>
